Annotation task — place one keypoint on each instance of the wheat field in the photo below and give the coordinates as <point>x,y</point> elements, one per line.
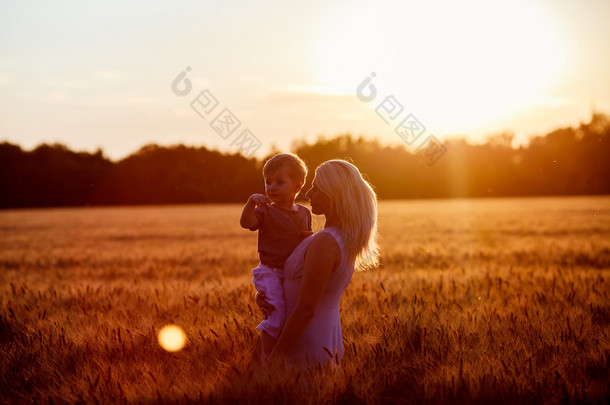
<point>476,301</point>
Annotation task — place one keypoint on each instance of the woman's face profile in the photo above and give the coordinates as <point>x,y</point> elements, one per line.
<point>320,202</point>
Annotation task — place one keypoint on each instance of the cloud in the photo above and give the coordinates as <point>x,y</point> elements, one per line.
<point>107,74</point>
<point>309,97</point>
<point>353,116</point>
<point>553,101</point>
<point>5,79</point>
<point>86,81</point>
<point>199,83</point>
<point>118,100</point>
<point>72,83</point>
<point>58,97</point>
<point>125,100</point>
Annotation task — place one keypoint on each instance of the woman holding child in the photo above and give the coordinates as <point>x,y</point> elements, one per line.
<point>319,268</point>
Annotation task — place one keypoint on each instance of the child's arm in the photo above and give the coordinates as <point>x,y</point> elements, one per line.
<point>248,219</point>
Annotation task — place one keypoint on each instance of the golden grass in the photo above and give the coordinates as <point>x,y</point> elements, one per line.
<point>500,300</point>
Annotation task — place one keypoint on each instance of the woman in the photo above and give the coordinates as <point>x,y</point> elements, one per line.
<point>320,268</point>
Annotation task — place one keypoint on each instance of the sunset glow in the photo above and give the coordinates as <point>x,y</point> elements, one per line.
<point>470,69</point>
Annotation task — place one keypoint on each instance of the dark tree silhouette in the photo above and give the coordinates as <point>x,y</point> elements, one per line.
<point>567,161</point>
<point>179,175</point>
<point>50,175</point>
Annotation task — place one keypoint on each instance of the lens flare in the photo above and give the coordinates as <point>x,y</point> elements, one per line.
<point>172,338</point>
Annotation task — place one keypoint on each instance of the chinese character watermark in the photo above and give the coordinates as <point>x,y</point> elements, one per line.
<point>225,123</point>
<point>409,128</point>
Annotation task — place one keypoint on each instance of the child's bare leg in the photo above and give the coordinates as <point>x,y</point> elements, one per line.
<point>268,344</point>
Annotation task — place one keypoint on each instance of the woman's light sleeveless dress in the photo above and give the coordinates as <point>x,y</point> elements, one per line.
<point>324,330</point>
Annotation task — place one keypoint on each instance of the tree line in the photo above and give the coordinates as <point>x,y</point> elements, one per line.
<point>567,161</point>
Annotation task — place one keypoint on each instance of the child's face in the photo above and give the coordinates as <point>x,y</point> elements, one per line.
<point>280,187</point>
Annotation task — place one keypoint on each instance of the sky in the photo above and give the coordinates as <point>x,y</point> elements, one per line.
<point>254,77</point>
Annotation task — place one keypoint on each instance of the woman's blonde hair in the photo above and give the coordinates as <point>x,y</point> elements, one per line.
<point>354,204</point>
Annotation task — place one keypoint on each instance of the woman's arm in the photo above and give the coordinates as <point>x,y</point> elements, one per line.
<point>322,257</point>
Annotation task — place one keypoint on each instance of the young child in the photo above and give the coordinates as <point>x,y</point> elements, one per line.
<point>281,226</point>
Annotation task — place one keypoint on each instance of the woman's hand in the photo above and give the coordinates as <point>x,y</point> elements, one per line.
<point>265,307</point>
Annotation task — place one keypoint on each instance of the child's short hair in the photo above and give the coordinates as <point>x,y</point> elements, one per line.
<point>297,169</point>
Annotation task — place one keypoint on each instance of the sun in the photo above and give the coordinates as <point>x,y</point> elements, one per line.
<point>459,64</point>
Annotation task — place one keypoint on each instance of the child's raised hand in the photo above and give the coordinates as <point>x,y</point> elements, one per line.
<point>260,199</point>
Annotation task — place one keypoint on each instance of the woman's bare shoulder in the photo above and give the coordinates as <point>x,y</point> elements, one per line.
<point>324,243</point>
